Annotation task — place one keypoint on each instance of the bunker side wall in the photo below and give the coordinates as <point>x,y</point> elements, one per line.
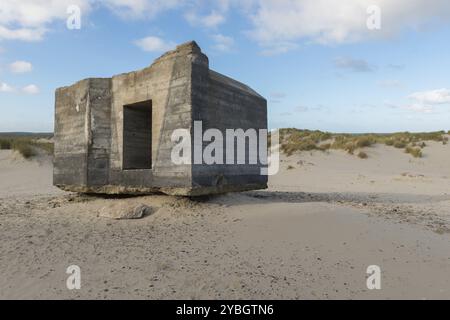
<point>71,134</point>
<point>223,103</point>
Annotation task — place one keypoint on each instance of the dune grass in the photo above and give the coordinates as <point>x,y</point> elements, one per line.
<point>5,144</point>
<point>295,140</point>
<point>414,151</point>
<point>24,148</point>
<point>362,155</point>
<point>27,146</point>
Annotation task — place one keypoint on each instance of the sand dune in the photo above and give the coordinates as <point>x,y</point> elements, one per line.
<point>311,235</point>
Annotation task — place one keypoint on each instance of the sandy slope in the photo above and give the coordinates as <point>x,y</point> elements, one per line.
<point>311,235</point>
<point>23,178</point>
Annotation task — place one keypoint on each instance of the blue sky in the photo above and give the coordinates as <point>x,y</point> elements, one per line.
<point>316,62</point>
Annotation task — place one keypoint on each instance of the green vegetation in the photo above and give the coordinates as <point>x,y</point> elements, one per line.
<point>5,144</point>
<point>302,140</point>
<point>415,152</point>
<point>362,155</point>
<point>24,148</point>
<point>295,140</point>
<point>26,144</point>
<point>400,144</point>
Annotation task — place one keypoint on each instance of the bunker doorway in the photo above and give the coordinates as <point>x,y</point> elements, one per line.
<point>137,136</point>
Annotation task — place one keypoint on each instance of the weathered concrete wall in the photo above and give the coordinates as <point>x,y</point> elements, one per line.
<point>167,83</point>
<point>82,139</point>
<point>70,156</point>
<point>98,130</point>
<point>223,103</point>
<point>89,128</point>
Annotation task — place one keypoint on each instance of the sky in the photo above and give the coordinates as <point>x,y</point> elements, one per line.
<point>332,65</point>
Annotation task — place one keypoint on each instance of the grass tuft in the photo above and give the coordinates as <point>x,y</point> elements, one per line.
<point>362,155</point>
<point>27,146</point>
<point>415,152</point>
<point>24,148</point>
<point>5,144</point>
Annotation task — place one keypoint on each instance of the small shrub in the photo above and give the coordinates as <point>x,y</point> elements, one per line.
<point>296,145</point>
<point>399,144</point>
<point>5,144</point>
<point>364,142</point>
<point>325,146</point>
<point>48,147</point>
<point>415,152</point>
<point>362,155</point>
<point>24,148</point>
<point>350,148</point>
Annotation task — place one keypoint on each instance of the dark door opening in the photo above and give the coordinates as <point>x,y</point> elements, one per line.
<point>137,136</point>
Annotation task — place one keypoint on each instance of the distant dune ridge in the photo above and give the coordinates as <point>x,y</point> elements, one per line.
<point>295,140</point>
<point>327,215</point>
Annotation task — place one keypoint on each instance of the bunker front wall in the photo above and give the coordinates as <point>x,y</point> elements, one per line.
<point>167,84</point>
<point>89,129</point>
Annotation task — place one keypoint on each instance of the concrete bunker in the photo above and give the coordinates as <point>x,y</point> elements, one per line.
<point>113,135</point>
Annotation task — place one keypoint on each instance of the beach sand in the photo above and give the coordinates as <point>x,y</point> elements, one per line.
<point>325,218</point>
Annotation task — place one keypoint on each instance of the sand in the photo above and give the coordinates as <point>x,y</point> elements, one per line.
<point>20,178</point>
<point>311,235</point>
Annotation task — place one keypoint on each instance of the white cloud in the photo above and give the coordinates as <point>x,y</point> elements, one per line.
<point>415,107</point>
<point>279,48</point>
<point>31,89</point>
<point>390,83</point>
<point>141,8</point>
<point>396,67</point>
<point>23,34</point>
<point>331,22</point>
<point>28,20</point>
<point>317,108</point>
<point>212,20</point>
<point>278,26</point>
<point>223,43</point>
<point>20,67</point>
<point>302,109</point>
<point>155,44</point>
<point>278,95</point>
<point>438,96</point>
<point>425,101</point>
<point>351,64</point>
<point>4,87</point>
<point>420,108</point>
